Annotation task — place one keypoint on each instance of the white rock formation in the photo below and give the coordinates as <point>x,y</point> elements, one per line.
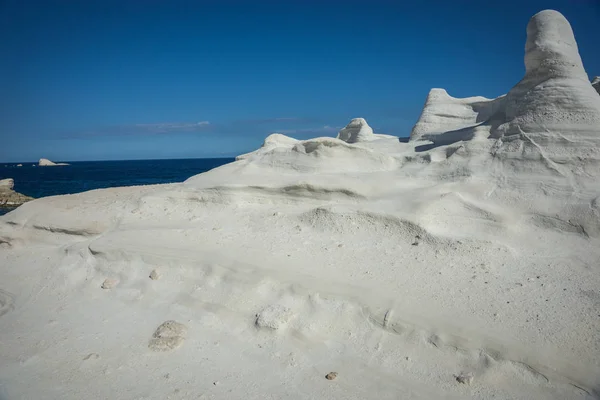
<point>443,113</point>
<point>356,131</point>
<point>477,257</point>
<point>596,84</point>
<point>44,162</point>
<point>555,94</point>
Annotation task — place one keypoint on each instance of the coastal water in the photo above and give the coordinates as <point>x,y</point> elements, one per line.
<point>87,175</point>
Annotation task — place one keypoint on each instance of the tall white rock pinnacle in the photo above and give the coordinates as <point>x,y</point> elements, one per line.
<point>555,94</point>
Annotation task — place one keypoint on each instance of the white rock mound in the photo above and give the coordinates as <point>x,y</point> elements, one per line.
<point>44,162</point>
<point>356,131</point>
<point>272,141</point>
<point>359,131</point>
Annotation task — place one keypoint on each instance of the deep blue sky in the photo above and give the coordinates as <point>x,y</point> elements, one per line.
<point>93,80</point>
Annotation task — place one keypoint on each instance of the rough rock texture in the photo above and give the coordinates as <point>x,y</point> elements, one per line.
<point>7,184</point>
<point>356,131</point>
<point>547,126</point>
<point>44,162</point>
<point>331,376</point>
<point>273,317</point>
<point>168,336</point>
<point>10,198</point>
<point>596,84</point>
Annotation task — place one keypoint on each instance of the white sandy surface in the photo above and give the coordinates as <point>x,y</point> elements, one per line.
<point>399,266</point>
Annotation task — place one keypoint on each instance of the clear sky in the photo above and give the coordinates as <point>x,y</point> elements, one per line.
<point>96,80</point>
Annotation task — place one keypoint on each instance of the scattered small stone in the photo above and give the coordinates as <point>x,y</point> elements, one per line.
<point>465,378</point>
<point>109,283</point>
<point>331,376</point>
<point>415,243</point>
<point>215,383</point>
<point>168,336</point>
<point>154,275</point>
<point>93,356</point>
<point>341,245</point>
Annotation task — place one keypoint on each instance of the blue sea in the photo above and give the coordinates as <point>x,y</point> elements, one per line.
<point>87,175</point>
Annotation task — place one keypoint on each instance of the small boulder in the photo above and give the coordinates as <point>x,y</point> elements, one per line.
<point>331,376</point>
<point>154,275</point>
<point>168,336</point>
<point>109,283</point>
<point>465,378</point>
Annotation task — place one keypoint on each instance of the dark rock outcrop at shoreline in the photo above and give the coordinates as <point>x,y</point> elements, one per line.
<point>8,197</point>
